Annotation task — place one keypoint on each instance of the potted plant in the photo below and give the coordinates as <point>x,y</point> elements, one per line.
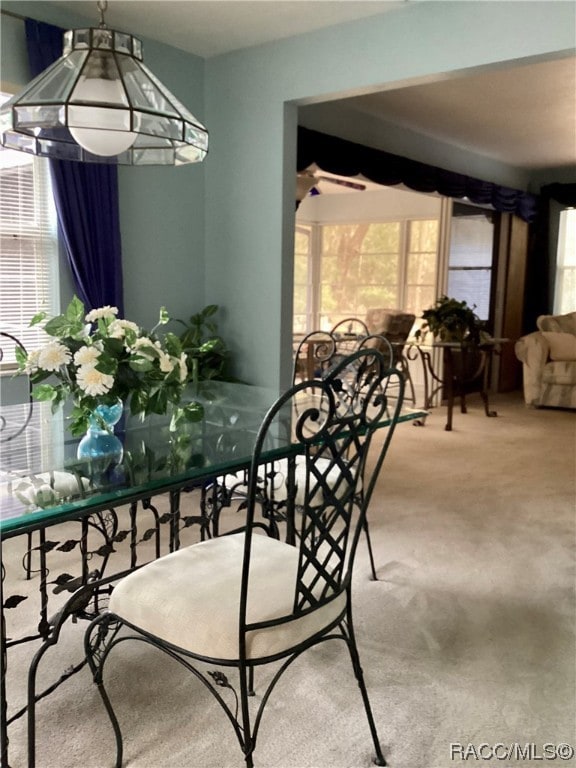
<point>206,351</point>
<point>452,320</point>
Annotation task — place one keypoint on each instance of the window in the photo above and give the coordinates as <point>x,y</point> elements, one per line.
<point>302,287</point>
<point>471,257</point>
<point>28,246</point>
<point>565,288</point>
<point>422,265</point>
<point>343,270</point>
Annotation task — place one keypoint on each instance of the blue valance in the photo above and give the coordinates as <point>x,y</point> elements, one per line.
<point>346,158</point>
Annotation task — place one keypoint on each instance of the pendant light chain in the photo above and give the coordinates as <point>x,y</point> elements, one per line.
<point>102,7</point>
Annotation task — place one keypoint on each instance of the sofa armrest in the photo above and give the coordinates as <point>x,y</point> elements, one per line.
<point>534,352</point>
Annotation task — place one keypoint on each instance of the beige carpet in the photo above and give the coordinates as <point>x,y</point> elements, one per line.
<point>467,639</point>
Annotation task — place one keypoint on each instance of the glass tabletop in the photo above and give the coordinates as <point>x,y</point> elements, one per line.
<point>43,482</point>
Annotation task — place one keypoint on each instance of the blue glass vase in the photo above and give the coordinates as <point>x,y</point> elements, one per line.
<point>100,442</point>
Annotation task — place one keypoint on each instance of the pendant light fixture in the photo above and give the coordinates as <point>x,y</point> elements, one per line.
<point>99,103</point>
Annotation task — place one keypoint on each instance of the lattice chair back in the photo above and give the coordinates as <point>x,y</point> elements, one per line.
<point>13,421</point>
<point>335,419</point>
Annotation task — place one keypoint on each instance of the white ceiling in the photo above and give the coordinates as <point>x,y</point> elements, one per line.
<point>523,116</point>
<point>211,27</point>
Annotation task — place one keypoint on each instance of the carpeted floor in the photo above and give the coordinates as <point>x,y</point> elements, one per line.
<point>467,639</point>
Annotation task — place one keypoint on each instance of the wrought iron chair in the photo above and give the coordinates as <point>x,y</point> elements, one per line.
<point>313,355</point>
<point>321,353</point>
<point>395,325</point>
<point>272,599</point>
<point>327,353</point>
<point>350,328</point>
<point>10,431</point>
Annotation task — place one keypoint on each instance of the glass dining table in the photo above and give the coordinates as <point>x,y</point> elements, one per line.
<point>44,488</point>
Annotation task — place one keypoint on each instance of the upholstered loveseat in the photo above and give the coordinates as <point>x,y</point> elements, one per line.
<point>548,359</point>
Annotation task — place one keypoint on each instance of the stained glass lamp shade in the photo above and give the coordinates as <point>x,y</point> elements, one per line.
<point>100,103</point>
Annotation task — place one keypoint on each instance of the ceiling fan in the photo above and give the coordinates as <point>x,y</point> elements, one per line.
<point>307,181</point>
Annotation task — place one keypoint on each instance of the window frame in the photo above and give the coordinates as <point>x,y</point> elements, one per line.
<point>315,258</point>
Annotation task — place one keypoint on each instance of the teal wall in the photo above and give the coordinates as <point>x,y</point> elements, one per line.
<point>161,209</point>
<point>222,232</point>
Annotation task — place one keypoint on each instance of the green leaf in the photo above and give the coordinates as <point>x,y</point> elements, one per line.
<point>157,402</point>
<point>113,347</point>
<point>193,412</point>
<point>209,345</point>
<point>75,311</point>
<point>44,392</point>
<point>138,402</point>
<point>38,318</point>
<point>21,356</point>
<point>173,345</point>
<point>164,316</point>
<point>107,364</point>
<point>141,364</point>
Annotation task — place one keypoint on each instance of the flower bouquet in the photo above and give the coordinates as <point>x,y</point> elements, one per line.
<point>96,359</point>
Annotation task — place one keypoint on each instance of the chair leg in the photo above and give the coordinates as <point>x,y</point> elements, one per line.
<point>27,561</point>
<point>370,553</point>
<point>352,647</point>
<point>246,682</point>
<point>94,644</point>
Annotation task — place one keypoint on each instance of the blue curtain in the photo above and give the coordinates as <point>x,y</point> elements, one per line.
<point>346,158</point>
<point>86,196</point>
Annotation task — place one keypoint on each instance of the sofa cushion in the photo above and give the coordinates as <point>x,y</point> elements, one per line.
<point>560,372</point>
<point>562,345</point>
<point>558,323</point>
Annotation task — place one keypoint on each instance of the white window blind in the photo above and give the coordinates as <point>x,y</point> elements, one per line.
<point>28,248</point>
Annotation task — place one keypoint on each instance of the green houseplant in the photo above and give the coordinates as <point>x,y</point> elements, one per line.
<point>452,320</point>
<point>206,352</point>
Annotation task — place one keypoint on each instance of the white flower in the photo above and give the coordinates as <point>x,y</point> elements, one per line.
<point>93,382</point>
<point>86,356</point>
<point>183,367</point>
<point>102,312</point>
<point>145,347</point>
<point>166,362</point>
<point>53,355</point>
<point>31,365</point>
<point>117,328</point>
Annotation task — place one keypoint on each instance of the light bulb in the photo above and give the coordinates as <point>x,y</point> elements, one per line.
<point>103,142</point>
<point>98,116</point>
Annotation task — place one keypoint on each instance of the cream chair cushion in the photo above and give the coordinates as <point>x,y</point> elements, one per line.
<point>191,598</point>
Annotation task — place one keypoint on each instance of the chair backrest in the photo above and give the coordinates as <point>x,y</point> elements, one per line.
<point>16,392</point>
<point>333,422</point>
<point>350,327</point>
<point>394,324</point>
<point>319,351</point>
<point>313,355</point>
